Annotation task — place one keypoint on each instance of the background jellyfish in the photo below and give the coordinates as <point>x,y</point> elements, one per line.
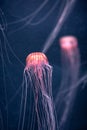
<point>70,75</point>
<point>37,91</point>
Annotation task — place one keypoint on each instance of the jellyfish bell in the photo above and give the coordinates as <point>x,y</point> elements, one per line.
<point>68,42</point>
<point>36,58</point>
<point>35,61</point>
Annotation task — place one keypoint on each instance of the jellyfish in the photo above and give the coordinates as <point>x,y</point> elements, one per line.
<point>37,94</point>
<point>70,75</point>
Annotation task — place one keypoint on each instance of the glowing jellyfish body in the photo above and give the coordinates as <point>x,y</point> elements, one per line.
<point>68,43</point>
<point>37,78</point>
<point>70,57</point>
<point>70,72</point>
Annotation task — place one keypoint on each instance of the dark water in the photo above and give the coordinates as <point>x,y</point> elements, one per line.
<point>29,39</point>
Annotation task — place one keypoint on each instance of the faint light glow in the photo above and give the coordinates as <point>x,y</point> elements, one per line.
<point>68,43</point>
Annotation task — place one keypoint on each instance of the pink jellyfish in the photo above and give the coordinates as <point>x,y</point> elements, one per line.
<point>38,83</point>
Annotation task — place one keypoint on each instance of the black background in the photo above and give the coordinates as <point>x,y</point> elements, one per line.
<point>32,38</point>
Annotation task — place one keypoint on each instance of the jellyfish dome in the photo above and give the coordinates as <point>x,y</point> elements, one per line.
<point>36,58</point>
